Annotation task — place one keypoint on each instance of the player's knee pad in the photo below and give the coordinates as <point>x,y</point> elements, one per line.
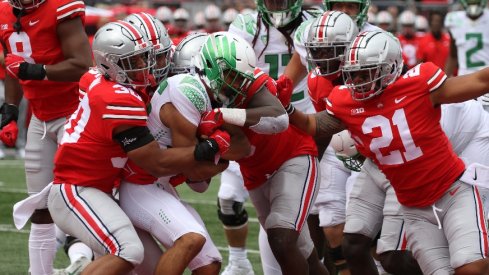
<point>232,214</point>
<point>41,216</point>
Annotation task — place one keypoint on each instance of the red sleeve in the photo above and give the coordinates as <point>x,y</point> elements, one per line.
<point>433,75</point>
<point>69,9</point>
<point>118,107</point>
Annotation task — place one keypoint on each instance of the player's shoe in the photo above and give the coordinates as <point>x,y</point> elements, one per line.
<point>241,267</point>
<point>75,268</point>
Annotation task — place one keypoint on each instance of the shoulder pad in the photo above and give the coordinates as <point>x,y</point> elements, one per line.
<point>301,34</point>
<point>245,22</point>
<point>195,92</point>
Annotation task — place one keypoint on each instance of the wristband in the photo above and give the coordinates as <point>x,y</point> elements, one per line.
<point>234,116</point>
<point>290,109</point>
<point>28,71</point>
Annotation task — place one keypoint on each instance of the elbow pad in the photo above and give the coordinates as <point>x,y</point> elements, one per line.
<point>271,125</point>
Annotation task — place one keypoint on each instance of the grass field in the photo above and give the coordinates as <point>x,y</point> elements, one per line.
<point>13,244</point>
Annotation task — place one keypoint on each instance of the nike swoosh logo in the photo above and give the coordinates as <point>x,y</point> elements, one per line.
<point>32,23</point>
<point>454,191</point>
<point>475,174</point>
<point>398,100</point>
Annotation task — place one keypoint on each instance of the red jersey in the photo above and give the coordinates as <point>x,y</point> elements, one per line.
<point>400,131</point>
<point>434,50</point>
<point>269,152</point>
<point>319,88</point>
<point>38,42</point>
<point>88,154</point>
<point>131,172</point>
<point>409,49</point>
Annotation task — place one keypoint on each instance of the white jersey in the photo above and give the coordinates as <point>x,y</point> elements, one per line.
<point>466,125</point>
<point>276,56</point>
<point>472,40</point>
<point>187,94</point>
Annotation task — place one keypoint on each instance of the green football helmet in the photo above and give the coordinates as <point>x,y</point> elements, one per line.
<point>279,13</point>
<point>361,17</point>
<point>474,8</point>
<point>226,63</point>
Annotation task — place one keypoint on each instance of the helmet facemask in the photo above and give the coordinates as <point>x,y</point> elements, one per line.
<point>326,57</point>
<point>353,163</point>
<point>230,89</point>
<point>279,13</point>
<point>18,4</point>
<point>134,68</point>
<point>363,6</point>
<point>474,8</point>
<point>367,81</point>
<point>162,62</point>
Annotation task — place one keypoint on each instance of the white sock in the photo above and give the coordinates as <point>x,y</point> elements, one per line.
<point>237,253</point>
<point>42,248</point>
<point>60,238</point>
<point>78,250</point>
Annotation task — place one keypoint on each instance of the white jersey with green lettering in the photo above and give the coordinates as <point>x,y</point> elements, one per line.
<point>472,40</point>
<point>276,55</point>
<point>187,94</point>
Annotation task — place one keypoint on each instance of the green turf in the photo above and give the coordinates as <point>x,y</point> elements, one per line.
<point>13,244</point>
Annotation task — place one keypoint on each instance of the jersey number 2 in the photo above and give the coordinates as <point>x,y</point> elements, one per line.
<point>411,151</point>
<point>478,46</point>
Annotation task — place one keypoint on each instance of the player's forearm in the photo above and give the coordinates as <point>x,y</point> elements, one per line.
<point>462,88</point>
<point>205,170</point>
<point>295,70</point>
<point>13,91</point>
<point>69,70</point>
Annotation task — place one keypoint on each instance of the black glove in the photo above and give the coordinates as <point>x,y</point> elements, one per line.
<point>206,150</point>
<point>9,113</point>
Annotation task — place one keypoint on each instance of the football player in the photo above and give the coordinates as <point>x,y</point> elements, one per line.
<point>469,40</point>
<point>110,123</point>
<point>281,172</point>
<point>174,114</point>
<point>270,33</point>
<point>297,68</point>
<point>46,52</point>
<point>439,209</point>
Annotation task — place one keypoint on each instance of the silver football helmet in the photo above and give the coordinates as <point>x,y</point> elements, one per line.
<point>373,61</point>
<point>327,40</point>
<point>186,51</point>
<point>345,150</point>
<point>124,54</point>
<point>158,35</point>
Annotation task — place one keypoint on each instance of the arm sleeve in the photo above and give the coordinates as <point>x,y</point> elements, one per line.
<point>69,10</point>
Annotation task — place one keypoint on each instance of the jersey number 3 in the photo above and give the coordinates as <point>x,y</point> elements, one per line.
<point>411,151</point>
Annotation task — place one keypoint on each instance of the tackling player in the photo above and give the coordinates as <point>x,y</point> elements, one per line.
<point>415,155</point>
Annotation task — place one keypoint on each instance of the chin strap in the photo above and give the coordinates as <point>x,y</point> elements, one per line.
<point>18,13</point>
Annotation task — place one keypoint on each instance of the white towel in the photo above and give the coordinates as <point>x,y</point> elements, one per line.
<point>23,209</point>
